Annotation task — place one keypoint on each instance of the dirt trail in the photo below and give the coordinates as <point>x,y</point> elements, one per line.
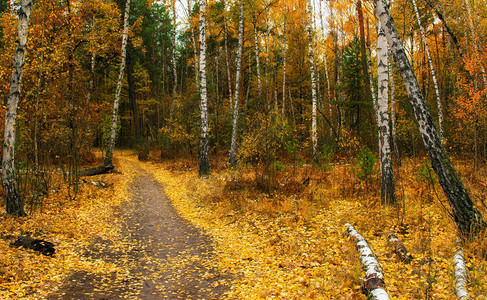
<point>161,256</point>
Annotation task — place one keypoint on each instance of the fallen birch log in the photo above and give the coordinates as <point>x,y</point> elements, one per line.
<point>374,284</point>
<point>460,274</point>
<point>96,171</point>
<point>399,248</point>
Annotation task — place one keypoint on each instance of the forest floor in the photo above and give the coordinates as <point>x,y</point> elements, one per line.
<point>161,254</point>
<point>230,236</point>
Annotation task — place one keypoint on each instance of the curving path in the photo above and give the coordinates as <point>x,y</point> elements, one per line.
<point>160,257</point>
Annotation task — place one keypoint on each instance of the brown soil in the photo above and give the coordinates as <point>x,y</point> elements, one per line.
<point>161,256</point>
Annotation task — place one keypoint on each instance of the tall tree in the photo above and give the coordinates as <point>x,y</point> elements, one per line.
<point>386,175</point>
<point>314,133</point>
<point>233,145</point>
<point>468,218</point>
<point>393,112</point>
<point>116,102</point>
<point>432,69</point>
<point>13,199</point>
<point>257,59</point>
<point>204,152</point>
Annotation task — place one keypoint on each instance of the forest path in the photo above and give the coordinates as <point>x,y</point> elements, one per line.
<point>161,255</point>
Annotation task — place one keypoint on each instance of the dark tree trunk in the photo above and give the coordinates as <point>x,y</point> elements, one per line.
<point>467,217</point>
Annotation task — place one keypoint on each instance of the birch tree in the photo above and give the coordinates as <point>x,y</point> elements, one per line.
<point>13,199</point>
<point>233,145</point>
<point>393,113</point>
<point>432,69</point>
<point>327,77</point>
<point>204,152</point>
<point>173,61</point>
<point>467,217</point>
<point>386,175</point>
<point>118,90</point>
<point>257,59</point>
<point>314,136</point>
<point>284,69</point>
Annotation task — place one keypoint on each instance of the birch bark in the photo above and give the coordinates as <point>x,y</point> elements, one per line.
<point>386,174</point>
<point>13,199</point>
<point>432,69</point>
<point>204,151</point>
<point>468,218</point>
<point>393,113</point>
<point>257,58</point>
<point>284,71</point>
<point>233,145</point>
<point>118,90</point>
<point>314,135</point>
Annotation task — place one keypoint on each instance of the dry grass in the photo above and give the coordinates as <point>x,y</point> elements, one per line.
<point>289,243</point>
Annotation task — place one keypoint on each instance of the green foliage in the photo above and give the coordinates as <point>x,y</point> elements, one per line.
<point>366,165</point>
<point>325,156</point>
<point>425,173</point>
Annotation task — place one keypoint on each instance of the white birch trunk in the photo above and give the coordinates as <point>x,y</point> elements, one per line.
<point>204,151</point>
<point>460,274</point>
<point>474,40</point>
<point>92,78</point>
<point>327,77</point>
<point>233,146</point>
<point>173,61</point>
<point>393,113</point>
<point>386,174</point>
<point>284,72</point>
<point>257,58</point>
<point>432,69</point>
<point>314,133</point>
<point>468,218</point>
<point>118,90</point>
<point>374,279</point>
<point>227,60</point>
<point>13,199</point>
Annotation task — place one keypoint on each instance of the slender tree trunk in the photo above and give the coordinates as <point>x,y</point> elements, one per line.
<point>467,217</point>
<point>284,71</point>
<point>474,40</point>
<point>195,49</point>
<point>227,59</point>
<point>393,113</point>
<point>113,130</point>
<point>13,199</point>
<point>257,58</point>
<point>233,146</point>
<point>432,69</point>
<point>327,77</point>
<point>204,150</point>
<point>363,51</point>
<point>92,78</point>
<point>386,174</point>
<point>173,61</point>
<point>314,135</point>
